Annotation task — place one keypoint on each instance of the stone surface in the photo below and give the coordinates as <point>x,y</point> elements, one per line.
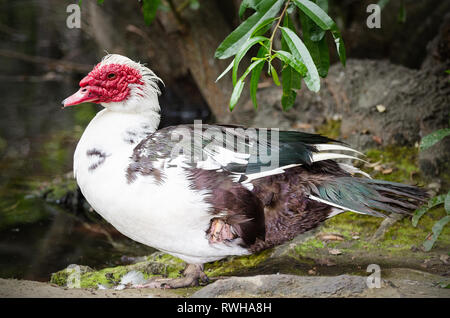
<point>398,283</point>
<point>12,288</point>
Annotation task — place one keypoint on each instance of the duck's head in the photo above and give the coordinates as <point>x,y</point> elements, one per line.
<point>119,84</point>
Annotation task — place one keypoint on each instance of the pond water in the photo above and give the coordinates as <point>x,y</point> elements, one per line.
<point>37,140</point>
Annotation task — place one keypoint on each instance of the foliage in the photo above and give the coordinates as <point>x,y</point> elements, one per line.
<point>149,8</point>
<point>300,58</point>
<point>439,225</point>
<point>401,13</point>
<point>426,143</point>
<point>306,59</point>
<point>433,138</point>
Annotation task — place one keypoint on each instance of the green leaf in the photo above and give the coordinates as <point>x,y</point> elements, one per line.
<point>340,47</point>
<point>289,75</point>
<point>256,74</point>
<point>233,42</point>
<point>317,33</point>
<point>312,10</point>
<point>291,79</point>
<point>447,203</point>
<point>402,13</point>
<point>100,1</point>
<point>424,208</point>
<point>149,8</point>
<point>240,84</point>
<point>245,5</point>
<point>236,94</point>
<point>433,138</point>
<point>244,49</point>
<point>383,3</point>
<point>323,4</point>
<point>229,67</point>
<point>194,4</point>
<point>290,60</point>
<point>276,80</point>
<point>300,52</point>
<point>319,50</point>
<point>437,229</point>
<point>321,18</point>
<point>264,27</point>
<point>288,99</point>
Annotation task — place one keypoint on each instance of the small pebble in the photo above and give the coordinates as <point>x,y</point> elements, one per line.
<point>381,108</point>
<point>335,251</point>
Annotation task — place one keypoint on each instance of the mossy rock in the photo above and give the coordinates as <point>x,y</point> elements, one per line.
<point>157,264</point>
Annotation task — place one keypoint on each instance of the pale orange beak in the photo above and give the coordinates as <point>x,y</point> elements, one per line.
<point>83,95</point>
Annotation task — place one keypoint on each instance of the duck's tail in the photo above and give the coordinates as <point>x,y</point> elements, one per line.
<point>369,196</point>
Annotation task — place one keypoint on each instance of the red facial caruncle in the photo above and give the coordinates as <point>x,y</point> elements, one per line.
<point>105,84</point>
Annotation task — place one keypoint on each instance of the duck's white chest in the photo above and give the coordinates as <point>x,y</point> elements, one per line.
<point>168,215</point>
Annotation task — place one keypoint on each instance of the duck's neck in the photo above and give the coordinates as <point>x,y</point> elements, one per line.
<point>113,129</point>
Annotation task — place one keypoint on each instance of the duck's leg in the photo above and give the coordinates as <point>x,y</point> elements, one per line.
<point>193,274</point>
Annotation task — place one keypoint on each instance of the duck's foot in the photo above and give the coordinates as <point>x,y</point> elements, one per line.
<point>193,275</point>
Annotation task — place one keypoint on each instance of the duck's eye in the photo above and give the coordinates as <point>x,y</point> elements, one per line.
<point>111,75</point>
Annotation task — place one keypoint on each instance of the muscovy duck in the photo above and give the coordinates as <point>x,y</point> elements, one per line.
<point>185,191</point>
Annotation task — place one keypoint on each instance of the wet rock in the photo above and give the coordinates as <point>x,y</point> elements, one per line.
<point>397,283</point>
<point>285,286</point>
<point>12,288</point>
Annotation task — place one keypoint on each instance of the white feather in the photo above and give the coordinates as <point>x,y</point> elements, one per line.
<point>312,197</point>
<point>322,147</point>
<point>353,170</point>
<point>316,157</point>
<point>253,176</point>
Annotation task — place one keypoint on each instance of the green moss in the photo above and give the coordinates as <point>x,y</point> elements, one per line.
<point>398,240</point>
<point>164,264</point>
<point>401,239</point>
<point>402,160</point>
<point>59,278</point>
<point>106,277</point>
<point>233,264</point>
<point>332,129</point>
<point>309,246</point>
<point>157,264</point>
<point>17,211</point>
<point>58,188</point>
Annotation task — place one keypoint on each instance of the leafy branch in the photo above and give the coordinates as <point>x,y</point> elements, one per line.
<point>301,57</point>
<point>306,58</point>
<point>427,142</point>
